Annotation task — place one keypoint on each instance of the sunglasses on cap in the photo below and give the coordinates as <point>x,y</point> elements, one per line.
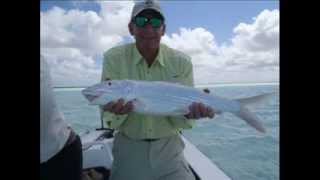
<point>141,21</point>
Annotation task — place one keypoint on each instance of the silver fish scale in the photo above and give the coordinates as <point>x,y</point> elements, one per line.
<point>161,97</point>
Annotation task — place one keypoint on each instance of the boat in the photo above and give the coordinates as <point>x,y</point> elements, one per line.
<point>97,157</point>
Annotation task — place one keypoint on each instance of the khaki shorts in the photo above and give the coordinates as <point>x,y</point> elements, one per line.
<point>162,159</point>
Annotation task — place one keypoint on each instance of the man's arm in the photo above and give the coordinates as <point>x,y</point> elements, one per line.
<point>187,80</point>
<point>113,113</point>
<point>197,110</point>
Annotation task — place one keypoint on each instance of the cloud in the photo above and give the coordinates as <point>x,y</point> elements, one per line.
<point>262,35</point>
<point>201,46</point>
<point>69,66</point>
<point>252,56</point>
<point>116,16</point>
<point>193,41</point>
<point>73,42</point>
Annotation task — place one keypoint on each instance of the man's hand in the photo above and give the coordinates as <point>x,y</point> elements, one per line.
<point>199,110</point>
<point>119,108</point>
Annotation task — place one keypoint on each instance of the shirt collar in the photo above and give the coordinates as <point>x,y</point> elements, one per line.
<point>137,57</point>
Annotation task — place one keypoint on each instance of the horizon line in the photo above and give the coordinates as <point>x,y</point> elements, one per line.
<point>216,83</point>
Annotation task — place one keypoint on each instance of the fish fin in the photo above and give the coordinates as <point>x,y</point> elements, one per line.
<point>255,100</point>
<point>93,99</point>
<point>248,116</point>
<point>138,104</point>
<point>251,119</point>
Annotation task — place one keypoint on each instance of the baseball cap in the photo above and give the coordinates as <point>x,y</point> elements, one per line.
<point>146,4</point>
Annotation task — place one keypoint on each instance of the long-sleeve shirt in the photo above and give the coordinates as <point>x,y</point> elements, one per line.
<point>125,62</point>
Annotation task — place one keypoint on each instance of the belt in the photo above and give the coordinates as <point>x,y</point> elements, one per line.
<point>147,140</point>
<point>150,140</point>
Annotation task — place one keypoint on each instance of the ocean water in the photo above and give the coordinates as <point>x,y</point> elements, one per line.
<point>235,147</point>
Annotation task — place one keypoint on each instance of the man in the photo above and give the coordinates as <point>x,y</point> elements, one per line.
<point>148,147</point>
<point>60,146</point>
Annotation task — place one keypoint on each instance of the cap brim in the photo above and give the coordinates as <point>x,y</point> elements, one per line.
<point>138,12</point>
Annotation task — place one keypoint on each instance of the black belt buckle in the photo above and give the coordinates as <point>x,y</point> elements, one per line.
<point>150,140</point>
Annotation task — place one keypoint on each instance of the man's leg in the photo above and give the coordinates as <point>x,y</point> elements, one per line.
<point>168,161</point>
<point>182,172</point>
<point>130,159</point>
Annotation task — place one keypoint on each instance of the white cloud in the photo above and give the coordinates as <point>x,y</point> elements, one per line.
<point>253,55</point>
<point>201,46</point>
<point>262,35</point>
<point>193,41</point>
<point>69,66</point>
<point>73,42</point>
<point>116,16</point>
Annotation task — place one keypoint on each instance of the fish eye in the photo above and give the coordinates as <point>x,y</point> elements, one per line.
<point>109,83</point>
<point>206,90</point>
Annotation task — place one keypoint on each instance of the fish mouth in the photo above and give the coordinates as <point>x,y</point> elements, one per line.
<point>90,97</point>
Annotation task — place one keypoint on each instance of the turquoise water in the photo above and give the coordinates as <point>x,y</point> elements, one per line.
<point>235,147</point>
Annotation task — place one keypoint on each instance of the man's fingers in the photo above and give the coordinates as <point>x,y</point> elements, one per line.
<point>199,110</point>
<point>118,106</point>
<point>128,107</point>
<point>191,115</point>
<point>108,106</point>
<point>203,110</point>
<point>210,112</point>
<point>196,111</point>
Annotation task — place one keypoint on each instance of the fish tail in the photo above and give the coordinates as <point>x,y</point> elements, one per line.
<point>251,119</point>
<point>248,116</point>
<point>255,100</point>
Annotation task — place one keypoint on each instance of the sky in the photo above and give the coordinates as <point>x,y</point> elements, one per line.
<point>228,41</point>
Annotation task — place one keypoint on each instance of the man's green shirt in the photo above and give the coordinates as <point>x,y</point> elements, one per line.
<point>125,62</point>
